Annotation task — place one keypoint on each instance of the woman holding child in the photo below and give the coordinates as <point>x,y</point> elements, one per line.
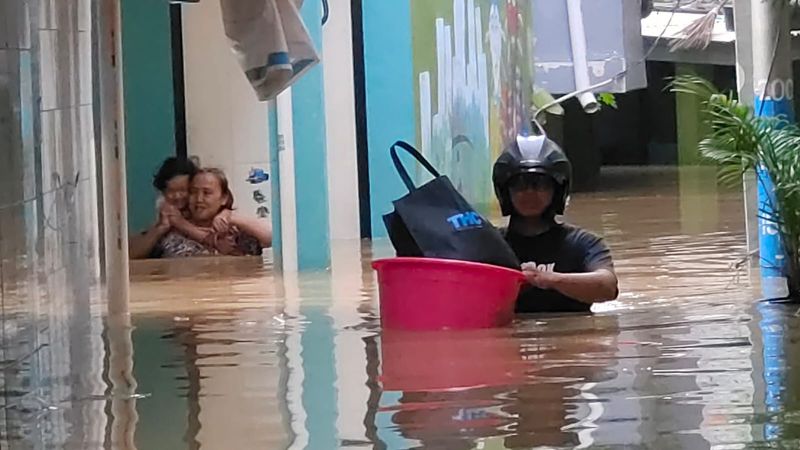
<point>196,217</point>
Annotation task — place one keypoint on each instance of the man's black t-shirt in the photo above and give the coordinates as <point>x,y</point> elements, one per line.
<point>564,249</point>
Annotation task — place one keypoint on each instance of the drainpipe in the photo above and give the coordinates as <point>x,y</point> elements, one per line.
<point>577,37</point>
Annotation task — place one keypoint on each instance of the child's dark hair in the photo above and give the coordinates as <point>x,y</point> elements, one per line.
<point>171,168</point>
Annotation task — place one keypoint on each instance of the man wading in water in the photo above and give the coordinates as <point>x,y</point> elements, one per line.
<point>567,268</point>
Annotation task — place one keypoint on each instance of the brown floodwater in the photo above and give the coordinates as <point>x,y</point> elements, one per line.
<point>224,354</point>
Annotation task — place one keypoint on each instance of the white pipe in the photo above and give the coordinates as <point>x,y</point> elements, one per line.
<point>566,97</point>
<point>577,37</point>
<point>287,183</point>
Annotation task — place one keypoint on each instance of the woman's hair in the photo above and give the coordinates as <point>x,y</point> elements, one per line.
<point>223,183</point>
<point>171,168</point>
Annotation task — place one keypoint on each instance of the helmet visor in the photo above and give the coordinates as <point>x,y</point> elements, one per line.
<point>531,181</point>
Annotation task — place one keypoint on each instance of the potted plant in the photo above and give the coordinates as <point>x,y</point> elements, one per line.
<point>740,141</point>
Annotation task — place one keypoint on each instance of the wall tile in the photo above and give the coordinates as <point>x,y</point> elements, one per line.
<point>15,24</point>
<point>11,159</point>
<point>84,15</point>
<point>51,149</point>
<point>5,6</point>
<point>84,62</point>
<point>47,14</point>
<point>5,63</point>
<point>47,68</point>
<point>48,221</point>
<point>68,149</point>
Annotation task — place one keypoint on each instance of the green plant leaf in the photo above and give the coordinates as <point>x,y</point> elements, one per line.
<point>607,99</point>
<point>740,141</point>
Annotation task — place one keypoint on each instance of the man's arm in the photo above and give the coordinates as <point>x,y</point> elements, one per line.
<point>597,284</point>
<point>591,287</point>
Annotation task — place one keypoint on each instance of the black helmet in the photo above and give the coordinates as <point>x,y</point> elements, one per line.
<point>532,154</point>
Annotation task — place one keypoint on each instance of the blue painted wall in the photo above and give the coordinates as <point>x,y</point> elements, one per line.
<point>391,113</point>
<point>771,249</point>
<point>149,102</point>
<point>310,160</point>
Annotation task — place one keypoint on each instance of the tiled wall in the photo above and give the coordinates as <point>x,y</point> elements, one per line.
<point>48,228</point>
<point>226,124</point>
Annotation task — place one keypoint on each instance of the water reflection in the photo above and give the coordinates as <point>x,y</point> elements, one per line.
<point>211,381</point>
<point>220,353</point>
<point>780,413</point>
<point>532,385</point>
<point>122,385</point>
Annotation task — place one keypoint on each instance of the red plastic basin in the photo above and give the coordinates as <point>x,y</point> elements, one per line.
<point>432,294</point>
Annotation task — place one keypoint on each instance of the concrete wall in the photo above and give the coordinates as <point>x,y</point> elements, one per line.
<point>337,50</point>
<point>226,126</point>
<point>48,227</point>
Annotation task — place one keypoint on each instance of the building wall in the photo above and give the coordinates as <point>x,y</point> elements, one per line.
<point>48,226</point>
<point>337,52</point>
<point>458,88</point>
<point>149,102</point>
<point>226,125</point>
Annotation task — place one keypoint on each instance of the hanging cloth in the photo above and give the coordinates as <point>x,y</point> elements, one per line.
<point>270,41</point>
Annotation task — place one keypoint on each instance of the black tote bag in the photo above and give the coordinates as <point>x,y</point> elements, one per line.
<point>435,221</point>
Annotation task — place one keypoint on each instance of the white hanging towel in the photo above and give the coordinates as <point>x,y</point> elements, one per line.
<point>270,41</point>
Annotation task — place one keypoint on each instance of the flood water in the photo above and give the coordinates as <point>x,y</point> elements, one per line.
<point>222,354</point>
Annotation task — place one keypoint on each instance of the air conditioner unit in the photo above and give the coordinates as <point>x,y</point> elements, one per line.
<point>613,44</point>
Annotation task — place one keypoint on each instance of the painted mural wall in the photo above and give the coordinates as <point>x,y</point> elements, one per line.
<point>473,66</point>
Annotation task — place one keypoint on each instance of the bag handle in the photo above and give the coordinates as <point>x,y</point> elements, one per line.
<point>401,170</point>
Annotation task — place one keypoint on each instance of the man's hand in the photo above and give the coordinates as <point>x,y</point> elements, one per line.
<point>539,278</point>
<point>589,287</point>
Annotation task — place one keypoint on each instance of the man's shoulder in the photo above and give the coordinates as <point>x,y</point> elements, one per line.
<point>574,233</point>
